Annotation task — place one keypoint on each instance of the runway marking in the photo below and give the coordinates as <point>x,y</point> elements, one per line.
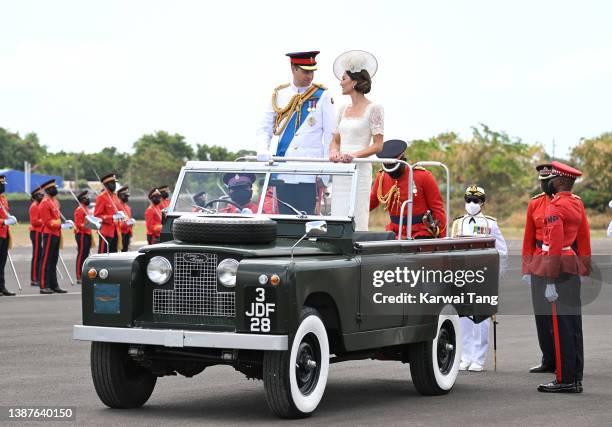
<point>41,295</point>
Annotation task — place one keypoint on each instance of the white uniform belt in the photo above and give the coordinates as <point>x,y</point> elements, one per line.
<point>546,248</point>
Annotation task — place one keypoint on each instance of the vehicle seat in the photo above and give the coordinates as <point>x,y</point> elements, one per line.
<point>372,236</point>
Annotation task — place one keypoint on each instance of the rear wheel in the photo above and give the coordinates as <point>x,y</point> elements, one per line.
<point>295,379</point>
<point>434,364</point>
<point>119,381</point>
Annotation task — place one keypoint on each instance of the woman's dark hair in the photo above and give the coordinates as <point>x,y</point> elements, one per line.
<point>362,79</point>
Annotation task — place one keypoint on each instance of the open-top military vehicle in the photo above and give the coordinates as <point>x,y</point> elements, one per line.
<point>278,293</point>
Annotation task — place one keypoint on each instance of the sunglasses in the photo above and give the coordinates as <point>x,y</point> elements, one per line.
<point>472,199</point>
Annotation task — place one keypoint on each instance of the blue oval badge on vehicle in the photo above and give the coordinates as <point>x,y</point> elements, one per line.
<point>196,258</point>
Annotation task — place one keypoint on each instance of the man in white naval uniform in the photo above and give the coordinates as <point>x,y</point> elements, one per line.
<point>474,223</point>
<point>303,117</point>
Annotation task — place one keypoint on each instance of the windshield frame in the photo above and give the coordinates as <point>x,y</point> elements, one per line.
<point>292,168</point>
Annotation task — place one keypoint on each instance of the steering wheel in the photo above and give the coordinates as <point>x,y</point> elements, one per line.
<point>227,201</point>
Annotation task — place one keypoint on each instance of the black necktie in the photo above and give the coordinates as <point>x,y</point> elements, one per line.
<point>472,220</point>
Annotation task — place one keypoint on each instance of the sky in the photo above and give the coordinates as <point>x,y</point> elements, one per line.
<point>85,75</point>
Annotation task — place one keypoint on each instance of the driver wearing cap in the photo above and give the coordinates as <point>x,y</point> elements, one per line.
<point>240,189</point>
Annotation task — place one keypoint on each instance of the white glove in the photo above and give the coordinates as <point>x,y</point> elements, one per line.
<point>130,221</point>
<point>526,278</point>
<point>10,220</point>
<point>585,280</point>
<point>263,157</point>
<point>246,211</point>
<point>67,225</point>
<point>119,215</point>
<point>551,293</point>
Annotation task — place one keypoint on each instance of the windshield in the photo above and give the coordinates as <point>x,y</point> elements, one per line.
<point>248,192</point>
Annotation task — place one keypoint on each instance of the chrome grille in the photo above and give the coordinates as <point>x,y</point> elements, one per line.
<point>195,289</point>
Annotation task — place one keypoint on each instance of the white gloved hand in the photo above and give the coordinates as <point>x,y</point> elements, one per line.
<point>585,280</point>
<point>526,278</point>
<point>130,221</point>
<point>10,220</point>
<point>263,157</point>
<point>67,225</point>
<point>551,293</point>
<point>119,215</point>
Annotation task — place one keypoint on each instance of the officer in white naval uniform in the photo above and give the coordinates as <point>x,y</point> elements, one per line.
<point>475,223</point>
<point>303,117</point>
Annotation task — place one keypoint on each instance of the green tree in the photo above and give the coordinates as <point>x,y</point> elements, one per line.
<point>16,150</point>
<point>594,158</point>
<point>165,170</point>
<point>175,145</point>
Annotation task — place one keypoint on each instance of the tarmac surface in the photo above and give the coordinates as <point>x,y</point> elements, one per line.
<point>42,366</point>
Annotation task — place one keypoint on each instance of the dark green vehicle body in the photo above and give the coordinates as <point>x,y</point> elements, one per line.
<point>326,274</point>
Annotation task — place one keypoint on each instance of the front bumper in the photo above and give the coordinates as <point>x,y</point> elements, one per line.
<point>180,338</point>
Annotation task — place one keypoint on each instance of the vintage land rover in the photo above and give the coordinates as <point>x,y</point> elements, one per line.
<point>277,292</point>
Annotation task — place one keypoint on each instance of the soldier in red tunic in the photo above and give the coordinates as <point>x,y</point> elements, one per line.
<point>35,235</point>
<point>127,224</point>
<point>6,220</point>
<point>390,188</point>
<point>564,219</point>
<point>153,217</point>
<point>107,209</point>
<point>52,234</point>
<point>164,190</point>
<point>82,233</point>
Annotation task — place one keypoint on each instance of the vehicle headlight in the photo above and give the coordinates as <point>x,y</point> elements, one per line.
<point>226,272</point>
<point>159,270</point>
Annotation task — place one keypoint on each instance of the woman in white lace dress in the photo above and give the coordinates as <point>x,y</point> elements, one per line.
<point>360,131</point>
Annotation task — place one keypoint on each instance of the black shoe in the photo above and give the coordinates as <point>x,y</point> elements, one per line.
<point>7,293</point>
<point>59,291</point>
<point>542,368</point>
<point>79,282</point>
<point>555,387</point>
<point>37,284</point>
<point>46,291</point>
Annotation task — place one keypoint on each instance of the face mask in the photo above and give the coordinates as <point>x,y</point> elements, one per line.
<point>472,208</point>
<point>38,197</point>
<point>52,191</point>
<point>111,186</point>
<point>545,187</point>
<point>124,198</point>
<point>156,200</point>
<point>2,188</point>
<point>549,188</point>
<point>242,196</point>
<point>395,171</point>
<point>164,194</point>
<point>86,202</point>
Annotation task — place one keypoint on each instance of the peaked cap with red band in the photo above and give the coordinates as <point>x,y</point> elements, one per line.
<point>561,169</point>
<point>304,60</point>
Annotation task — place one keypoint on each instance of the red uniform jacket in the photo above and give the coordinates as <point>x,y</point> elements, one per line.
<point>164,203</point>
<point>107,205</point>
<point>4,229</point>
<point>153,220</point>
<point>233,209</point>
<point>426,196</point>
<point>35,221</point>
<point>533,237</point>
<point>50,216</point>
<point>567,240</point>
<point>125,229</point>
<point>79,219</point>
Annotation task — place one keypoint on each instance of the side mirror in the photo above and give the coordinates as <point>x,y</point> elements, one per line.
<point>316,228</point>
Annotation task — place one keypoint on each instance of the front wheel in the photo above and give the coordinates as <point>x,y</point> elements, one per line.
<point>434,364</point>
<point>295,379</point>
<point>119,381</point>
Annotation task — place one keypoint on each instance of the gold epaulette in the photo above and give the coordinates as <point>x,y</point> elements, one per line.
<point>279,87</point>
<point>419,168</point>
<point>576,196</point>
<point>492,218</point>
<point>319,85</point>
<point>458,217</point>
<point>537,196</point>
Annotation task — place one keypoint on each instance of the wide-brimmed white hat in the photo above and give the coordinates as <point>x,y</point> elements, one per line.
<point>355,61</point>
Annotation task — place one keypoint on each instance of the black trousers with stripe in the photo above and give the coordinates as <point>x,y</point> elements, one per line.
<point>3,258</point>
<point>112,244</point>
<point>543,320</point>
<point>50,255</point>
<point>125,242</point>
<point>36,239</point>
<point>569,317</point>
<point>83,246</point>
